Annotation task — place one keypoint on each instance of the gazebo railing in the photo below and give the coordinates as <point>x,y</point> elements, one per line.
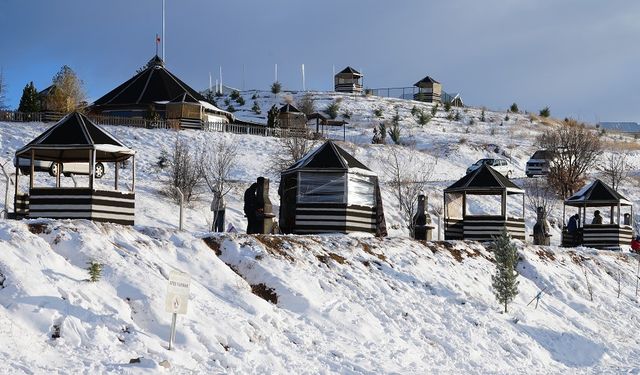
<point>599,236</point>
<point>484,228</point>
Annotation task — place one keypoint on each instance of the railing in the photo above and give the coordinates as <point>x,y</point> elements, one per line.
<point>14,116</point>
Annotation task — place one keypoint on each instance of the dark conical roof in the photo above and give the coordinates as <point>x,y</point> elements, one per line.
<point>185,97</point>
<point>596,193</point>
<point>328,156</point>
<point>288,108</point>
<point>426,79</point>
<point>350,70</point>
<point>484,178</point>
<point>154,84</point>
<point>71,138</point>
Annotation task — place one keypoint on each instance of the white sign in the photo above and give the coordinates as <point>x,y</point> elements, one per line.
<point>177,293</point>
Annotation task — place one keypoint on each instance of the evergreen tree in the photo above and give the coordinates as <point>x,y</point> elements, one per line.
<point>95,271</point>
<point>29,102</point>
<point>514,108</point>
<point>276,87</point>
<point>272,117</point>
<point>394,132</point>
<point>256,107</point>
<point>482,116</point>
<point>504,283</point>
<point>545,112</point>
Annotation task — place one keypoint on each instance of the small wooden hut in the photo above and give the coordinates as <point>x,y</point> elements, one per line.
<point>429,90</point>
<point>483,204</point>
<point>330,191</point>
<point>185,111</point>
<point>348,80</point>
<point>75,139</point>
<point>291,117</point>
<point>612,233</point>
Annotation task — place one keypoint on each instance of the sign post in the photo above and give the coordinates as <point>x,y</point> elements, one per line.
<point>177,299</point>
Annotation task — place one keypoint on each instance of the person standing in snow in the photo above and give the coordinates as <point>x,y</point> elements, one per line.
<point>250,207</point>
<point>572,228</point>
<point>218,207</point>
<point>597,218</point>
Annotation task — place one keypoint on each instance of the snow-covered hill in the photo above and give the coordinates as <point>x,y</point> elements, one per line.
<point>320,304</point>
<point>340,304</point>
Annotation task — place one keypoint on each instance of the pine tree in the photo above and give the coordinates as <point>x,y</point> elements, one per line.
<point>256,107</point>
<point>272,117</point>
<point>29,102</point>
<point>276,87</point>
<point>514,108</point>
<point>95,271</point>
<point>504,283</point>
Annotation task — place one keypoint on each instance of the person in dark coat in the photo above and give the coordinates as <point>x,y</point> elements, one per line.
<point>597,218</point>
<point>250,207</point>
<point>574,220</point>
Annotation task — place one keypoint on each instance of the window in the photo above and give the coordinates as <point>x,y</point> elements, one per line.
<point>361,190</point>
<point>318,187</point>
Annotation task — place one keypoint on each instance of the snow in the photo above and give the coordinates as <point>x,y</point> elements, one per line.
<point>345,304</point>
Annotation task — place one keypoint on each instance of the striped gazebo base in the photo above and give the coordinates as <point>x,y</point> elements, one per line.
<point>483,228</point>
<point>334,218</point>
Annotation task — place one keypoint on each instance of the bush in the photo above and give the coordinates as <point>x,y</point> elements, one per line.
<point>378,112</point>
<point>394,132</point>
<point>227,101</point>
<point>276,87</point>
<point>307,104</point>
<point>545,112</point>
<point>95,271</point>
<point>457,117</point>
<point>482,116</point>
<point>332,109</point>
<point>185,172</point>
<point>424,118</point>
<point>447,106</point>
<point>514,108</point>
<point>472,121</point>
<point>434,109</point>
<point>347,114</point>
<point>450,116</point>
<point>506,118</point>
<point>231,108</point>
<point>235,94</point>
<point>256,108</point>
<point>254,96</point>
<point>415,111</point>
<point>240,100</point>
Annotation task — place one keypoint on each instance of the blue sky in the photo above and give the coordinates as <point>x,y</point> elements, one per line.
<point>580,57</point>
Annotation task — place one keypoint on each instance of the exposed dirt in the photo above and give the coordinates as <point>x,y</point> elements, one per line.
<point>325,258</point>
<point>264,292</point>
<point>213,245</point>
<point>275,245</point>
<point>39,228</point>
<point>545,254</point>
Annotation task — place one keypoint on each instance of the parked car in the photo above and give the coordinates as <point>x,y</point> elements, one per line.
<point>538,164</point>
<point>67,168</point>
<point>500,165</point>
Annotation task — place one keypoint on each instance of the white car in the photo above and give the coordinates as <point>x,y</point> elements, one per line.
<point>67,168</point>
<point>538,164</point>
<point>500,165</point>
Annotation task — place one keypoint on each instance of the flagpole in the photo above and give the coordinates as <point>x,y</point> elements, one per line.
<point>162,30</point>
<point>303,83</point>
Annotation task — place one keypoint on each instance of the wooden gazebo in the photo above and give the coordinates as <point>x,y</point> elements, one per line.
<point>75,139</point>
<point>468,222</point>
<point>291,117</point>
<point>612,233</point>
<point>429,90</point>
<point>348,80</point>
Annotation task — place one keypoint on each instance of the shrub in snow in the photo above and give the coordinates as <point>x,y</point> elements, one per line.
<point>240,100</point>
<point>545,112</point>
<point>231,108</point>
<point>447,106</point>
<point>514,108</point>
<point>347,114</point>
<point>423,118</point>
<point>457,116</point>
<point>254,96</point>
<point>185,173</point>
<point>256,108</point>
<point>276,87</point>
<point>235,94</point>
<point>504,281</point>
<point>95,271</point>
<point>332,109</point>
<point>434,109</point>
<point>307,104</point>
<point>482,116</point>
<point>378,112</point>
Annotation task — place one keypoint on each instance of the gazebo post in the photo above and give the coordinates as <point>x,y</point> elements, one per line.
<point>116,179</point>
<point>33,169</point>
<point>611,215</point>
<point>58,174</point>
<point>91,168</point>
<point>619,207</point>
<point>504,205</point>
<point>15,194</point>
<point>133,173</point>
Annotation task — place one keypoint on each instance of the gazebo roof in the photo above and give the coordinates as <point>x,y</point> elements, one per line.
<point>597,194</point>
<point>70,139</point>
<point>289,108</point>
<point>329,157</point>
<point>484,180</point>
<point>426,79</point>
<point>185,97</point>
<point>153,84</point>
<point>351,71</point>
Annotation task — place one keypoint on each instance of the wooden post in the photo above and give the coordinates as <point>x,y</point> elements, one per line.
<point>59,166</point>
<point>91,168</point>
<point>133,173</point>
<point>611,215</point>
<point>33,169</point>
<point>504,205</point>
<point>116,172</point>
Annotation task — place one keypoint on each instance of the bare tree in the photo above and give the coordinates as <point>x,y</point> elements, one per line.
<point>575,149</point>
<point>540,194</point>
<point>219,159</point>
<point>406,177</point>
<point>185,169</point>
<point>307,104</point>
<point>616,168</point>
<point>291,150</point>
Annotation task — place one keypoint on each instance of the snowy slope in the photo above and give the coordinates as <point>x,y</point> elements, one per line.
<point>344,305</point>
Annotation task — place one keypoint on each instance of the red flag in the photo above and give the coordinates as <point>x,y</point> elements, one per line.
<point>157,39</point>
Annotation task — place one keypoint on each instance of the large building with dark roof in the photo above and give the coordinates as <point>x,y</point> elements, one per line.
<point>150,90</point>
